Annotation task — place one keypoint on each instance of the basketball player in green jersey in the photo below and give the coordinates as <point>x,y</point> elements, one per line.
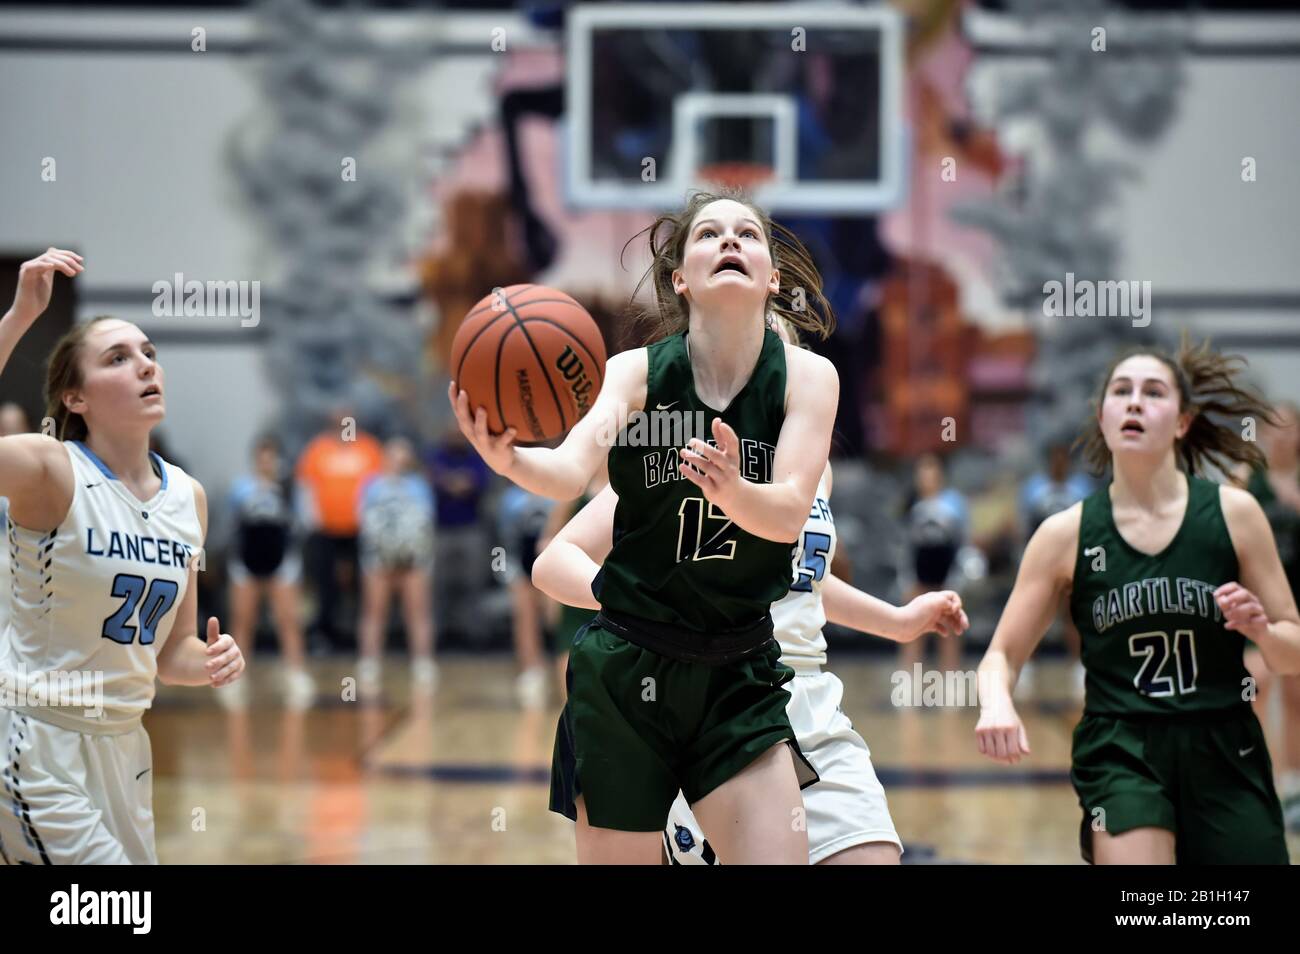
<point>677,682</point>
<point>1168,576</point>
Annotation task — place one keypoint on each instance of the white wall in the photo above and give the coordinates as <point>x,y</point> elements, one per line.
<point>1189,224</point>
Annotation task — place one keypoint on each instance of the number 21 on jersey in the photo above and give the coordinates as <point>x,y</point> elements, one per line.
<point>1150,679</point>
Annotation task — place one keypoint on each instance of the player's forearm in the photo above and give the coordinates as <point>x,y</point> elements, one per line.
<point>563,571</point>
<point>996,678</point>
<point>547,472</point>
<point>12,329</point>
<point>186,664</point>
<point>774,512</point>
<point>846,605</point>
<point>1280,647</point>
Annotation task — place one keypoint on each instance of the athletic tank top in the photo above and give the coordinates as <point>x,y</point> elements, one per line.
<point>95,599</point>
<point>397,517</point>
<point>678,559</point>
<point>798,617</point>
<point>4,567</point>
<point>264,523</point>
<point>1153,636</point>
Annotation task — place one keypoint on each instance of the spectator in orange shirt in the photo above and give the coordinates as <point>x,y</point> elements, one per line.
<point>331,472</point>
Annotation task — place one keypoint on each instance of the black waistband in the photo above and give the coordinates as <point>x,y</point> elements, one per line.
<point>1192,717</point>
<point>711,649</point>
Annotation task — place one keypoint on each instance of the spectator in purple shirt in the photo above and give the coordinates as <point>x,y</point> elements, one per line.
<point>460,479</point>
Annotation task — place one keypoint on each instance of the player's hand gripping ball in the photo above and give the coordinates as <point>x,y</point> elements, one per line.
<point>527,362</point>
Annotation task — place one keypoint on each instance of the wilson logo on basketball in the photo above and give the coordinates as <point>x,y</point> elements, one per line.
<point>532,357</point>
<point>580,386</point>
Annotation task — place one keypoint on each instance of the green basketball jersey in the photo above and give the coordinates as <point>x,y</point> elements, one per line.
<point>1153,636</point>
<point>678,559</point>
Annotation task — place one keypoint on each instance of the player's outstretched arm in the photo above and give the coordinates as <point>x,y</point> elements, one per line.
<point>775,511</point>
<point>940,612</point>
<point>26,460</point>
<point>1261,606</point>
<point>32,297</point>
<point>1046,570</point>
<point>566,567</point>
<point>561,473</point>
<point>184,661</point>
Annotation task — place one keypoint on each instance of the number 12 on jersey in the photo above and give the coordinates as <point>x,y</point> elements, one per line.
<point>692,522</point>
<point>157,601</point>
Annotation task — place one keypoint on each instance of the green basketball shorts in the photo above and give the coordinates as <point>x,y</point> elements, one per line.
<point>639,726</point>
<point>1206,777</point>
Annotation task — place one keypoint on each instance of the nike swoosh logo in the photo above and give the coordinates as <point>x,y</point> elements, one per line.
<point>88,486</point>
<point>137,778</point>
<point>1244,752</point>
<point>664,407</point>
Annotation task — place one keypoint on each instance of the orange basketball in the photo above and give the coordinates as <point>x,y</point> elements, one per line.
<point>533,357</point>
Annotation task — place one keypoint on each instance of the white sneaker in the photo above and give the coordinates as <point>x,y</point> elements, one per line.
<point>369,677</point>
<point>530,688</point>
<point>299,689</point>
<point>424,675</point>
<point>234,697</point>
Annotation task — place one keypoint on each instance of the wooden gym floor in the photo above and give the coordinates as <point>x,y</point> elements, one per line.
<point>462,778</point>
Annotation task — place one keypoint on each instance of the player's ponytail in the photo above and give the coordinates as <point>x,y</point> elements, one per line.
<point>63,374</point>
<point>1207,386</point>
<point>800,300</point>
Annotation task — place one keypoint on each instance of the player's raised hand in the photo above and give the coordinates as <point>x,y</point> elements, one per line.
<point>1000,734</point>
<point>225,662</point>
<point>36,281</point>
<point>1242,610</point>
<point>715,470</point>
<point>939,612</point>
<point>497,450</point>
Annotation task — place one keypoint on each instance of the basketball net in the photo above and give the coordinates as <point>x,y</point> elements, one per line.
<point>739,175</point>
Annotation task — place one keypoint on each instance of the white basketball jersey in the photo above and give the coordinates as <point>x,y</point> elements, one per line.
<point>96,598</point>
<point>798,617</point>
<point>4,565</point>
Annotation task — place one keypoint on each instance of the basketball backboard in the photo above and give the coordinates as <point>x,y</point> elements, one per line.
<point>811,93</point>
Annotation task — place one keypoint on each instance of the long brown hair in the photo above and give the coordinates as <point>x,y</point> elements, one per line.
<point>1207,386</point>
<point>809,311</point>
<point>63,374</point>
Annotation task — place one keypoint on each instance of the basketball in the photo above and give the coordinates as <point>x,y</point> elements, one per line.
<point>533,357</point>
